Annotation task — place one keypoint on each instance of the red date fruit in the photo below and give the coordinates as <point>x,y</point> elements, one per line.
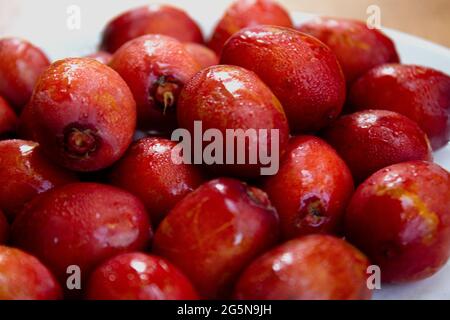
<point>371,140</point>
<point>21,63</point>
<point>147,171</point>
<point>400,218</point>
<point>81,224</point>
<point>422,94</point>
<point>155,68</point>
<point>26,121</point>
<point>4,228</point>
<point>25,173</point>
<point>215,232</point>
<point>314,267</point>
<point>203,55</point>
<point>357,47</point>
<point>311,189</point>
<point>101,56</point>
<point>248,13</point>
<point>23,277</point>
<point>138,276</point>
<point>152,19</point>
<point>8,119</point>
<point>301,71</point>
<point>230,97</point>
<point>84,114</point>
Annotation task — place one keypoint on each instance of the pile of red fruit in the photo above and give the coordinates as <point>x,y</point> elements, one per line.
<point>356,185</point>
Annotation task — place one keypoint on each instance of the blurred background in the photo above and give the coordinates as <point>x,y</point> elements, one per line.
<point>44,22</point>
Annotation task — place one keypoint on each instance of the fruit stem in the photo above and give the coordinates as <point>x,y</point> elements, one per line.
<point>80,142</point>
<point>166,93</point>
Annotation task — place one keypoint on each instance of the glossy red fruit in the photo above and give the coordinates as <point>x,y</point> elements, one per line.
<point>8,119</point>
<point>248,13</point>
<point>81,224</point>
<point>25,173</point>
<point>147,171</point>
<point>229,97</point>
<point>23,277</point>
<point>301,71</point>
<point>215,232</point>
<point>400,218</point>
<point>357,47</point>
<point>156,68</point>
<point>203,55</point>
<point>311,189</point>
<point>138,276</point>
<point>371,140</point>
<point>84,114</point>
<point>151,19</point>
<point>422,94</point>
<point>315,267</point>
<point>101,56</point>
<point>21,63</point>
<point>25,129</point>
<point>4,228</point>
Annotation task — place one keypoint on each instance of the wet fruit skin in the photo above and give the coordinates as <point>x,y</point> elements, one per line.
<point>151,19</point>
<point>314,267</point>
<point>357,47</point>
<point>422,94</point>
<point>155,68</point>
<point>311,189</point>
<point>84,114</point>
<point>25,173</point>
<point>81,224</point>
<point>21,63</point>
<point>101,56</point>
<point>373,139</point>
<point>203,55</point>
<point>23,277</point>
<point>230,97</point>
<point>8,119</point>
<point>301,71</point>
<point>221,227</point>
<point>399,217</point>
<point>4,228</point>
<point>147,171</point>
<point>138,276</point>
<point>248,13</point>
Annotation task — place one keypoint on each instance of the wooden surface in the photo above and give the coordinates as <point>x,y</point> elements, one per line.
<point>429,19</point>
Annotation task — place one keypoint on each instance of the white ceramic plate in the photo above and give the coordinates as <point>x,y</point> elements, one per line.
<point>33,21</point>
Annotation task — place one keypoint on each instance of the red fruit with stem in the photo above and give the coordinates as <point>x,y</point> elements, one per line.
<point>81,224</point>
<point>231,98</point>
<point>301,71</point>
<point>315,267</point>
<point>371,140</point>
<point>138,276</point>
<point>400,218</point>
<point>152,19</point>
<point>8,119</point>
<point>84,114</point>
<point>248,13</point>
<point>311,189</point>
<point>422,94</point>
<point>147,171</point>
<point>357,47</point>
<point>23,277</point>
<point>155,68</point>
<point>215,232</point>
<point>25,173</point>
<point>21,63</point>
